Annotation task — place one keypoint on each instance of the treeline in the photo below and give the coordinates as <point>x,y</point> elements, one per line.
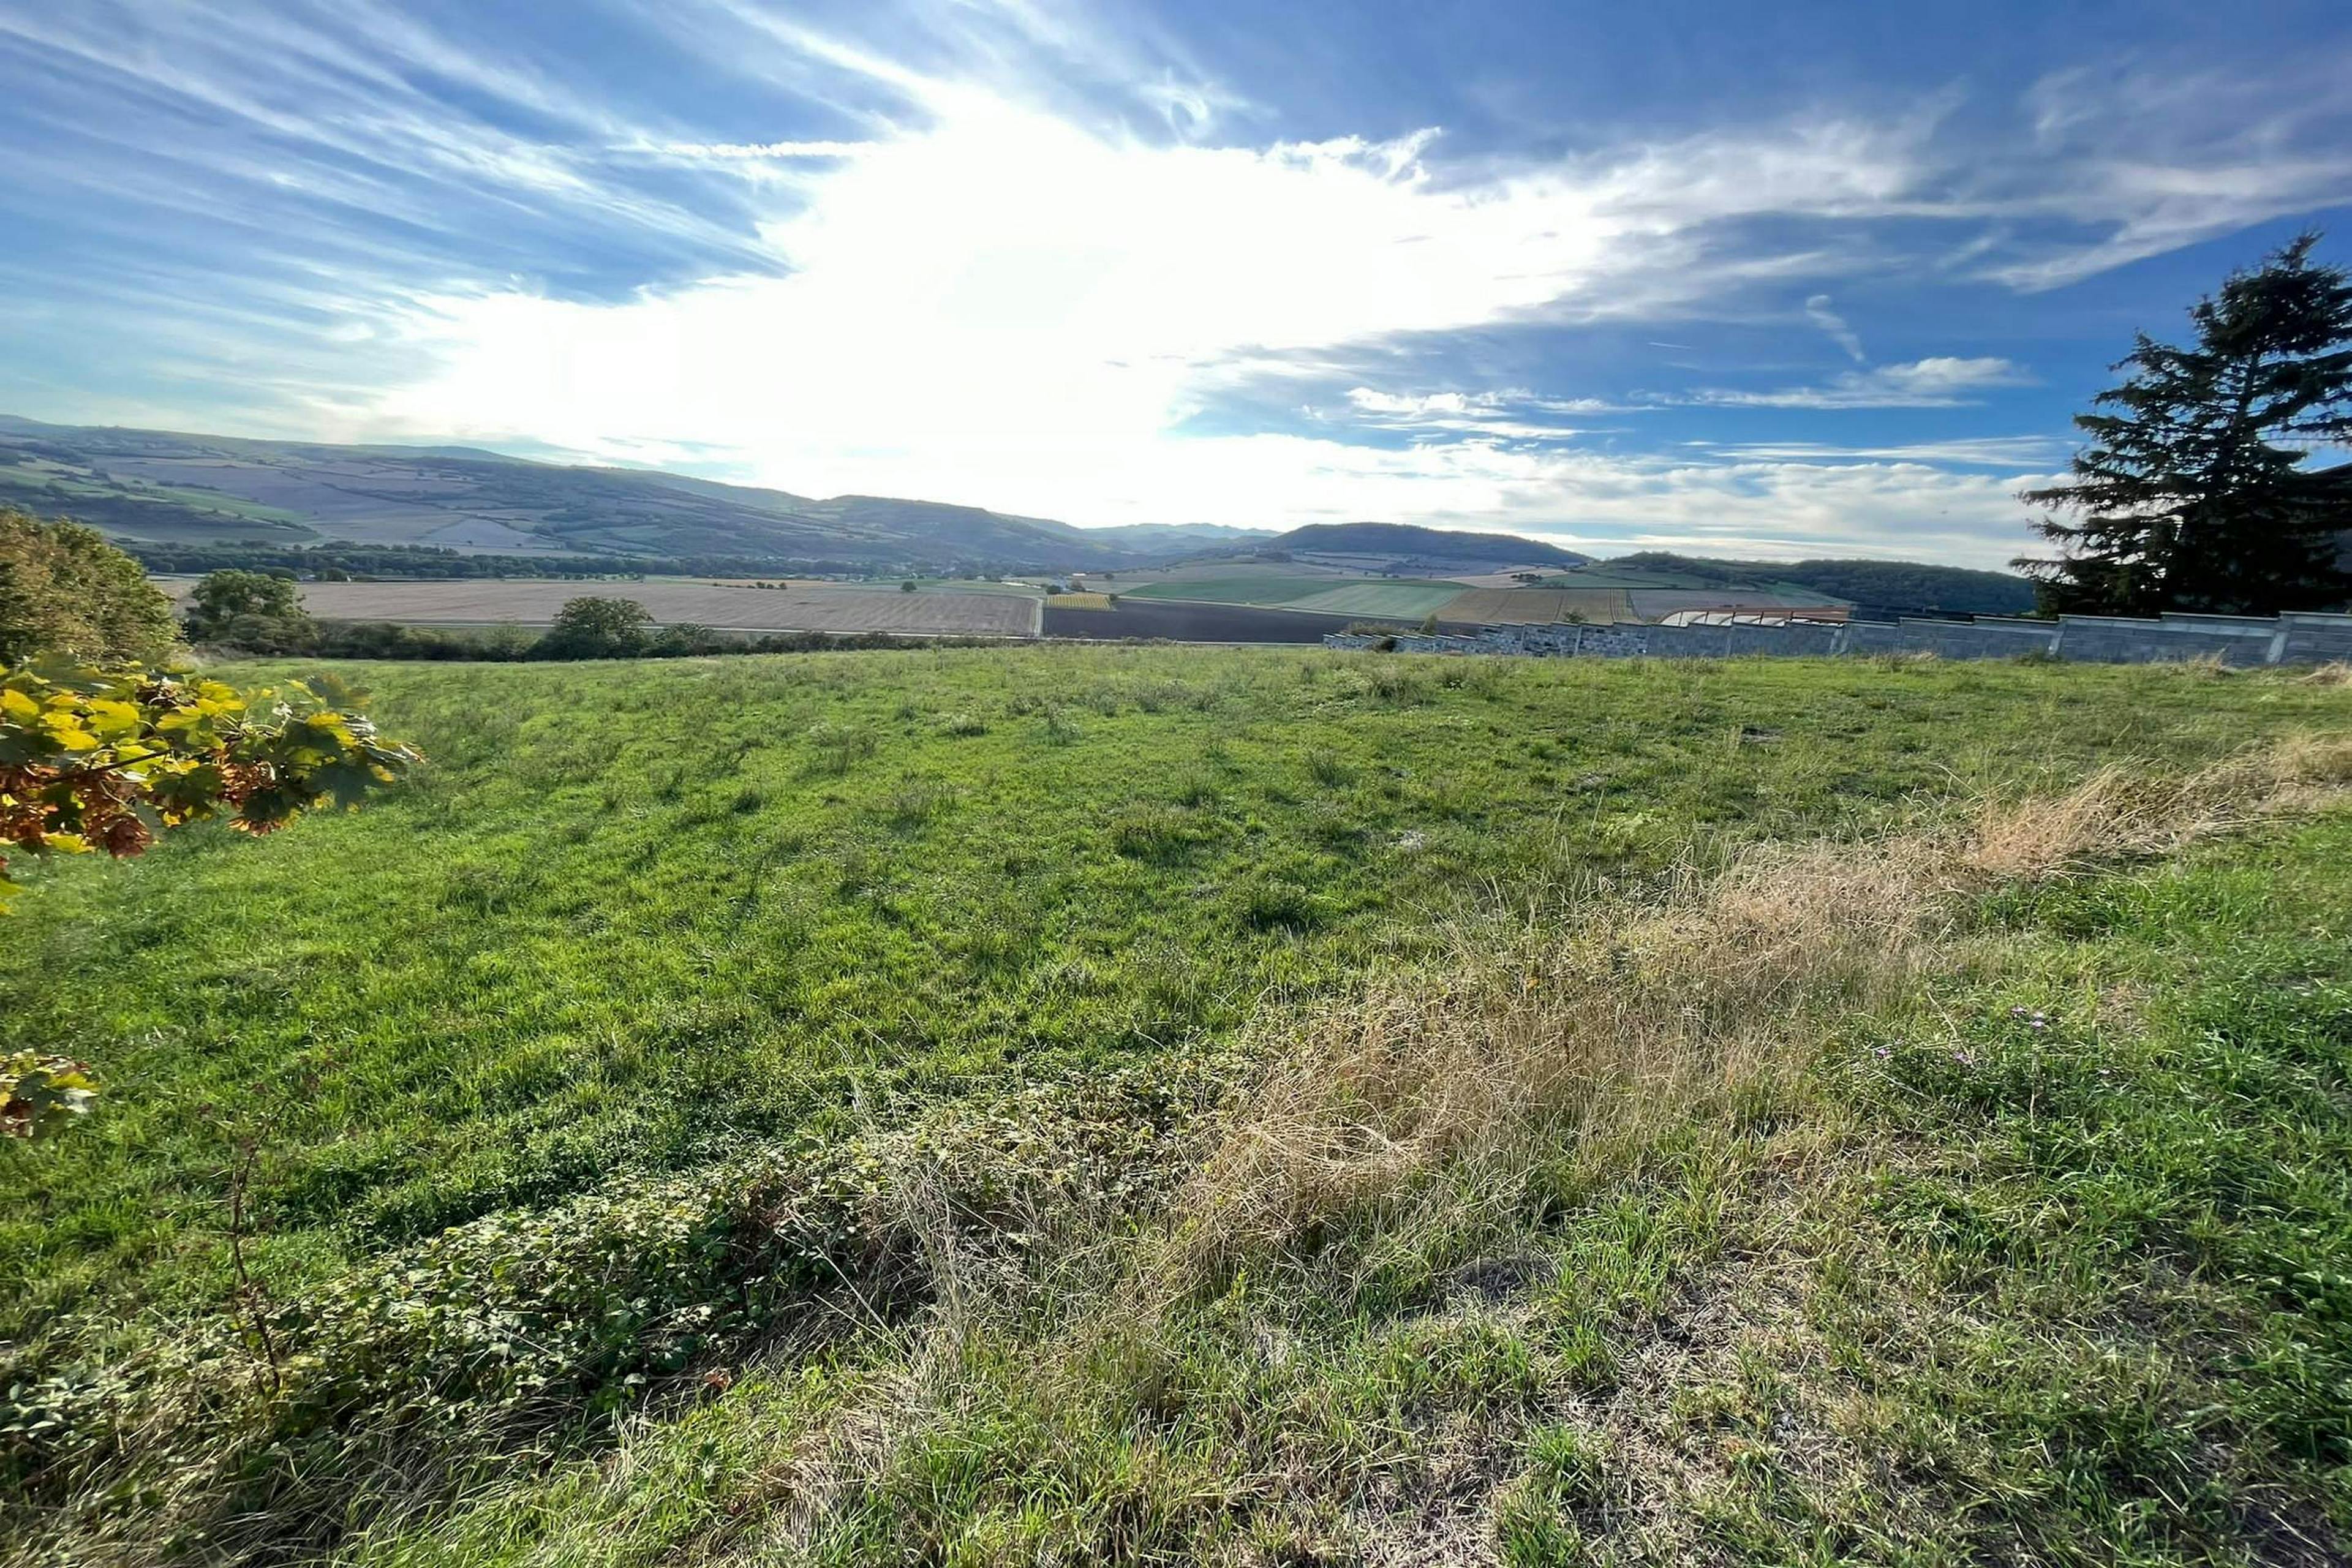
<point>1900,586</point>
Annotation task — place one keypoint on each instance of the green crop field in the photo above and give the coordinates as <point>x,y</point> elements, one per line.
<point>1238,588</point>
<point>1368,597</point>
<point>1340,595</point>
<point>1151,1105</point>
<point>1403,600</point>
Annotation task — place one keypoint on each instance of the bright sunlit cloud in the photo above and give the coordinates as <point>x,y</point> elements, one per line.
<point>1108,266</point>
<point>1009,308</point>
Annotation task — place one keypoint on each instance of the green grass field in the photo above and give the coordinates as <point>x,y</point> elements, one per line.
<point>760,1110</point>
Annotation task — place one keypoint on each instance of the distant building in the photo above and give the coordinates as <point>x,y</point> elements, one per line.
<point>1758,615</point>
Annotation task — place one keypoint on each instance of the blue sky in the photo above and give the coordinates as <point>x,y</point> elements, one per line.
<point>1788,281</point>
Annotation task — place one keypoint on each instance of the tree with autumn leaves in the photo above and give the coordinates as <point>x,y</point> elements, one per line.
<point>104,748</point>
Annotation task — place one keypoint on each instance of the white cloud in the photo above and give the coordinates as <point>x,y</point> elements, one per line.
<point>1938,381</point>
<point>1410,407</point>
<point>1829,320</point>
<point>1407,405</point>
<point>1006,307</point>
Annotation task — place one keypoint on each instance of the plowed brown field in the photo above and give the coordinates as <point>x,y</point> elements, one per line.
<point>533,602</point>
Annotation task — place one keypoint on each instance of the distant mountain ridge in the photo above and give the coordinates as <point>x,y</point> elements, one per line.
<point>174,488</point>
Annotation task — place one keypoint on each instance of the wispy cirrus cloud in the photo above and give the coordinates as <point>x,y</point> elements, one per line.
<point>753,151</point>
<point>1818,310</point>
<point>1513,415</point>
<point>2016,453</point>
<point>2154,158</point>
<point>1937,382</point>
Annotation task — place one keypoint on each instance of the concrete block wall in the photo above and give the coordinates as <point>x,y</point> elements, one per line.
<point>1977,640</point>
<point>2115,640</point>
<point>2296,639</point>
<point>1689,642</point>
<point>2305,637</point>
<point>1876,637</point>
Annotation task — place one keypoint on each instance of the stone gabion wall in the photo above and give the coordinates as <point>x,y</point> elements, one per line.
<point>2298,638</point>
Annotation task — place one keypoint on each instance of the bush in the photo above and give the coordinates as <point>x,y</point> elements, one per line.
<point>255,610</point>
<point>595,627</point>
<point>65,591</point>
<point>682,639</point>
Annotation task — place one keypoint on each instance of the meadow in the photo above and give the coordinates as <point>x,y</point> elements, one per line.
<point>1142,1104</point>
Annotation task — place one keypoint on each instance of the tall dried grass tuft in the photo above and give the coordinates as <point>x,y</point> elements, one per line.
<point>1426,1103</point>
<point>2121,811</point>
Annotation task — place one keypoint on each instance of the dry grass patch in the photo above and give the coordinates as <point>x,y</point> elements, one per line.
<point>1426,1105</point>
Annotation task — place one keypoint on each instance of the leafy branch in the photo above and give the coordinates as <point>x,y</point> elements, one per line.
<point>110,757</point>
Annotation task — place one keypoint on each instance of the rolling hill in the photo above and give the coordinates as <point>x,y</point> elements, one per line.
<point>171,491</point>
<point>171,487</point>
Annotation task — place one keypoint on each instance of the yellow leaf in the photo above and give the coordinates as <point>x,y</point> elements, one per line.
<point>112,717</point>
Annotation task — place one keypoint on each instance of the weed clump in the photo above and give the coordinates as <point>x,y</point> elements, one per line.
<point>1159,833</point>
<point>1330,772</point>
<point>837,747</point>
<point>1276,905</point>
